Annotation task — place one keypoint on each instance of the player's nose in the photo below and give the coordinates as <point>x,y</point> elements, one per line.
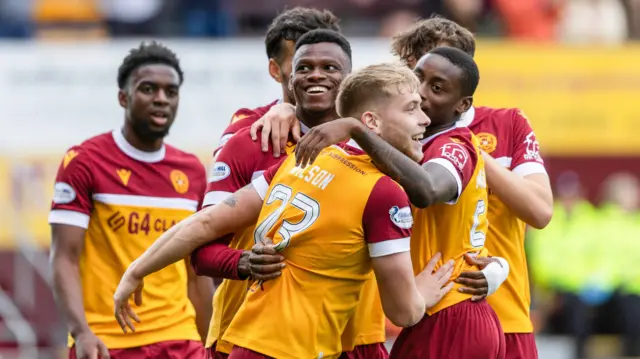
<point>160,98</point>
<point>424,120</point>
<point>316,75</point>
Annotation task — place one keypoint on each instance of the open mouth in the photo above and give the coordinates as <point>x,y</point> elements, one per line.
<point>316,90</point>
<point>159,118</point>
<point>418,138</point>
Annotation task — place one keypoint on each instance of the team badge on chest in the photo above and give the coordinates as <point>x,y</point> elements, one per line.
<point>180,181</point>
<point>488,142</point>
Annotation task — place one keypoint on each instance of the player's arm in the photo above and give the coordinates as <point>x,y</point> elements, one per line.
<point>69,219</point>
<point>387,225</point>
<point>277,122</point>
<point>200,291</point>
<point>231,170</point>
<point>425,185</point>
<point>525,190</point>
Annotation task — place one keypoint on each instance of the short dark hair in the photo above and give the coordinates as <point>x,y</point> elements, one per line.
<point>427,34</point>
<point>292,24</point>
<point>462,60</point>
<point>147,54</point>
<point>322,35</point>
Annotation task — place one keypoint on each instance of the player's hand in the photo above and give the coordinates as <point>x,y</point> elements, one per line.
<point>129,285</point>
<point>89,346</point>
<point>277,122</point>
<point>264,261</point>
<point>321,137</point>
<point>475,283</point>
<point>433,286</point>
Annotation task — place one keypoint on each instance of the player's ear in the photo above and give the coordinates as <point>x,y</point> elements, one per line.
<point>372,121</point>
<point>464,105</point>
<point>123,97</point>
<point>274,70</point>
<point>291,82</point>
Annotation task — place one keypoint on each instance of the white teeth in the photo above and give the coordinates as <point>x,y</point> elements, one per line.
<point>417,137</point>
<point>317,89</point>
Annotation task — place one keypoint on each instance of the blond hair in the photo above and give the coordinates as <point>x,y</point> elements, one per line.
<point>428,34</point>
<point>366,88</point>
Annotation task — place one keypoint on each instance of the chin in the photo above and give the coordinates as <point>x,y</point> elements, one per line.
<point>316,107</point>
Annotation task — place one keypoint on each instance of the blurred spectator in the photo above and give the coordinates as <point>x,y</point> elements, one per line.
<point>465,12</point>
<point>15,18</point>
<point>529,19</point>
<point>621,197</point>
<point>593,21</point>
<point>131,17</point>
<point>632,10</point>
<point>208,18</point>
<point>68,19</point>
<point>573,240</point>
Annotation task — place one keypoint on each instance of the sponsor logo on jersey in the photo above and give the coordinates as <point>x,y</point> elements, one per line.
<point>219,171</point>
<point>532,151</point>
<point>456,154</point>
<point>63,193</point>
<point>180,181</point>
<point>124,175</point>
<point>488,142</point>
<point>68,157</point>
<point>238,117</point>
<point>401,217</point>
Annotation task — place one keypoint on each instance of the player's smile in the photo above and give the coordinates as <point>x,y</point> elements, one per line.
<point>160,118</point>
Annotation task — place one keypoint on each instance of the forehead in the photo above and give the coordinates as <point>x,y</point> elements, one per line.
<point>324,51</point>
<point>436,65</point>
<point>156,73</point>
<point>404,94</point>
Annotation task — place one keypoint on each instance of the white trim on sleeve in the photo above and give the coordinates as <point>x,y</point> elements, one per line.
<point>392,246</point>
<point>261,186</point>
<point>214,197</point>
<point>72,218</point>
<point>529,168</point>
<point>449,166</point>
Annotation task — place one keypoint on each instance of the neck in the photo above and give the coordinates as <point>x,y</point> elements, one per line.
<point>437,128</point>
<point>312,119</point>
<point>139,143</point>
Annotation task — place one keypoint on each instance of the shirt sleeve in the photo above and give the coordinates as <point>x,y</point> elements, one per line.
<point>232,169</point>
<point>526,150</point>
<point>240,120</point>
<point>73,189</point>
<point>262,183</point>
<point>387,219</point>
<point>217,259</point>
<point>458,156</point>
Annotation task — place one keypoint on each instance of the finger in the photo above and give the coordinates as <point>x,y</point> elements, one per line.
<point>445,277</point>
<point>473,283</point>
<point>472,291</point>
<point>301,148</point>
<point>446,289</point>
<point>476,298</point>
<point>132,314</point>
<point>254,129</point>
<point>265,259</point>
<point>296,131</point>
<point>264,248</point>
<point>432,262</point>
<point>92,353</point>
<point>125,314</point>
<point>313,148</point>
<point>472,275</point>
<point>137,296</point>
<point>470,259</point>
<point>316,152</point>
<point>104,351</point>
<point>120,317</point>
<point>284,137</point>
<point>266,268</point>
<point>275,138</point>
<point>266,131</point>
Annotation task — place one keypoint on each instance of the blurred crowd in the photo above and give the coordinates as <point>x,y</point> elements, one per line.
<point>586,279</point>
<point>572,21</point>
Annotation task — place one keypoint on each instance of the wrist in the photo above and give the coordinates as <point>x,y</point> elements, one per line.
<point>356,128</point>
<point>79,330</point>
<point>244,271</point>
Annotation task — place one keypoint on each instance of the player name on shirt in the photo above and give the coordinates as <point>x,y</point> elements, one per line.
<point>314,175</point>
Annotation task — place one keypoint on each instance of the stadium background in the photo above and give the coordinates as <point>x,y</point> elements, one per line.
<point>570,65</point>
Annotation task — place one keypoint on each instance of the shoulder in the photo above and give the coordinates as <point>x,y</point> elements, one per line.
<point>242,143</point>
<point>501,116</point>
<point>188,160</point>
<point>90,150</point>
<point>458,137</point>
<point>245,117</point>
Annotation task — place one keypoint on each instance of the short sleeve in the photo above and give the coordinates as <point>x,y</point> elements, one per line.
<point>232,169</point>
<point>526,150</point>
<point>387,219</point>
<point>72,191</point>
<point>262,183</point>
<point>457,155</point>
